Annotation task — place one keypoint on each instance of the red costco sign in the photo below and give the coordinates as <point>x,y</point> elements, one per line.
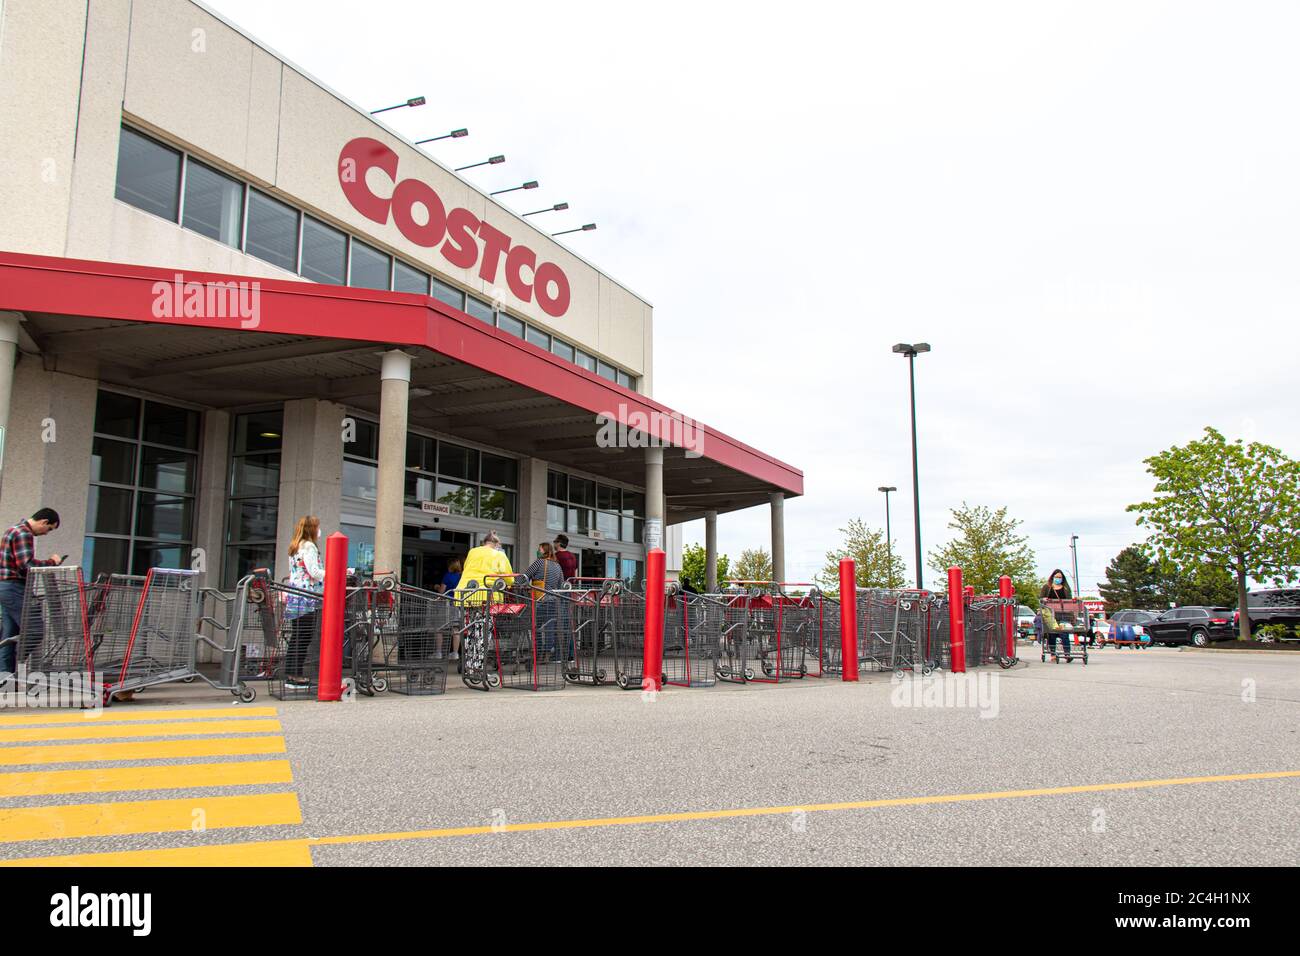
<point>456,233</point>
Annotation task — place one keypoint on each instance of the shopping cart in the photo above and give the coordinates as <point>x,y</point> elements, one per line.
<point>825,641</point>
<point>735,650</point>
<point>527,626</point>
<point>52,652</point>
<point>1072,630</point>
<point>410,634</point>
<point>896,631</point>
<point>692,635</point>
<point>589,634</point>
<point>986,639</point>
<point>625,611</point>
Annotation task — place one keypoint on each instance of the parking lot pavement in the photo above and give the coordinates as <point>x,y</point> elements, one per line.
<point>1050,764</point>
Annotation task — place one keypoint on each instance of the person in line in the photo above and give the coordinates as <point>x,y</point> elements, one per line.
<point>1051,631</point>
<point>568,561</point>
<point>451,580</point>
<point>306,574</point>
<point>484,567</point>
<point>1057,587</point>
<point>17,556</point>
<point>546,575</point>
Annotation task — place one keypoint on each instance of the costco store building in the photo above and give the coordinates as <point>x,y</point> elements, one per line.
<point>229,297</point>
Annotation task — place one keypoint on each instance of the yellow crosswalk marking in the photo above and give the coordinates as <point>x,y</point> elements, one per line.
<point>181,776</point>
<point>91,730</point>
<point>20,824</point>
<point>136,750</point>
<point>270,853</point>
<point>118,714</point>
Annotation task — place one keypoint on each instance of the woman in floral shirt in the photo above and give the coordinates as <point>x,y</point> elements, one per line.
<point>306,573</point>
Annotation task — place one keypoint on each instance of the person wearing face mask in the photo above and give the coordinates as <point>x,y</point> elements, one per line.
<point>546,575</point>
<point>306,573</point>
<point>1057,587</point>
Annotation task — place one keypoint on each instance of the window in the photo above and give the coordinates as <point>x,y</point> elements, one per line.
<point>606,371</point>
<point>562,349</point>
<point>579,505</point>
<point>253,508</point>
<point>370,267</point>
<point>409,279</point>
<point>496,505</point>
<point>214,204</point>
<point>557,485</point>
<point>502,472</point>
<point>148,174</point>
<point>360,461</point>
<point>510,325</point>
<point>272,231</point>
<point>361,546</point>
<point>455,461</point>
<point>143,467</point>
<point>421,453</point>
<point>479,309</point>
<point>463,499</point>
<point>539,338</point>
<point>324,253</point>
<point>624,379</point>
<point>585,361</point>
<point>447,293</point>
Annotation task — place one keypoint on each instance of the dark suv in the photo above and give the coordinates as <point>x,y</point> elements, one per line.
<point>1192,625</point>
<point>1279,606</point>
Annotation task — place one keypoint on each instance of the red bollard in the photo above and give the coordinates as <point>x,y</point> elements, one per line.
<point>848,620</point>
<point>652,665</point>
<point>957,620</point>
<point>330,685</point>
<point>1007,590</point>
<point>969,591</point>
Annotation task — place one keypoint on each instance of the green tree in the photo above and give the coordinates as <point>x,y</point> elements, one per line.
<point>754,564</point>
<point>1233,504</point>
<point>876,564</point>
<point>694,559</point>
<point>1201,582</point>
<point>986,547</point>
<point>1130,581</point>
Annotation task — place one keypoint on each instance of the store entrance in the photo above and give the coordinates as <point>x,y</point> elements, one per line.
<point>426,553</point>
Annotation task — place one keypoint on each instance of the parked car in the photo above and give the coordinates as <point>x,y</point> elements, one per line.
<point>1130,625</point>
<point>1192,625</point>
<point>1025,621</point>
<point>1275,606</point>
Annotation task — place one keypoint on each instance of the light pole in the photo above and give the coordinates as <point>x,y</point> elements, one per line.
<point>912,351</point>
<point>889,538</point>
<point>1074,554</point>
<point>454,134</point>
<point>587,228</point>
<point>493,161</point>
<point>413,101</point>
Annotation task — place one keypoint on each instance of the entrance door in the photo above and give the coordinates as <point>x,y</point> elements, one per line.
<point>427,553</point>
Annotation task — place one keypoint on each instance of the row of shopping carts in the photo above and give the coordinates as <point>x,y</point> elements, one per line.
<point>132,632</point>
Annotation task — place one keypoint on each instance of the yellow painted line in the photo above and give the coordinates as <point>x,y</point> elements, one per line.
<point>20,824</point>
<point>269,853</point>
<point>113,715</point>
<point>181,776</point>
<point>91,730</point>
<point>780,811</point>
<point>132,750</point>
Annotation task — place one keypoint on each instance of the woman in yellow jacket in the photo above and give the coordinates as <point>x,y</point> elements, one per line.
<point>484,564</point>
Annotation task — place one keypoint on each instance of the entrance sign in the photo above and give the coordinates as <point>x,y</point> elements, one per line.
<point>435,508</point>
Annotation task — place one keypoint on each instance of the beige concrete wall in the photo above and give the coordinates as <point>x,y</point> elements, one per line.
<point>47,453</point>
<point>311,471</point>
<point>40,75</point>
<point>180,73</point>
<point>532,510</point>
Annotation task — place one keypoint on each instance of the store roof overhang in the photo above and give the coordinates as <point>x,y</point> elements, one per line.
<point>284,340</point>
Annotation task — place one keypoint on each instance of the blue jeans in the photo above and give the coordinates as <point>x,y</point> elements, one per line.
<point>11,615</point>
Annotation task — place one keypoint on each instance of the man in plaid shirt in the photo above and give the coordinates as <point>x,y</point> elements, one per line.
<point>17,554</point>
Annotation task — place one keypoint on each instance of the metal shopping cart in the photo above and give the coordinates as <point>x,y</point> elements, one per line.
<point>692,636</point>
<point>590,629</point>
<point>52,653</point>
<point>527,627</point>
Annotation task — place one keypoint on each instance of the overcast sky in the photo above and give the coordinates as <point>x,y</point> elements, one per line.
<point>1091,210</point>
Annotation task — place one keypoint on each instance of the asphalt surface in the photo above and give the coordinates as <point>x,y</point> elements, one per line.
<point>368,769</point>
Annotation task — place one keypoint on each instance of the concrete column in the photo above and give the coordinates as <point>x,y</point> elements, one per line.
<point>532,529</point>
<point>654,498</point>
<point>395,387</point>
<point>311,470</point>
<point>778,535</point>
<point>711,551</point>
<point>8,353</point>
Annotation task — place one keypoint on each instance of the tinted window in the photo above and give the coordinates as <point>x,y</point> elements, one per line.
<point>409,279</point>
<point>369,267</point>
<point>148,174</point>
<point>499,471</point>
<point>272,231</point>
<point>450,294</point>
<point>457,462</point>
<point>606,371</point>
<point>168,425</point>
<point>214,204</point>
<point>583,360</point>
<point>539,338</point>
<point>563,350</point>
<point>324,253</point>
<point>511,325</point>
<point>479,309</point>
